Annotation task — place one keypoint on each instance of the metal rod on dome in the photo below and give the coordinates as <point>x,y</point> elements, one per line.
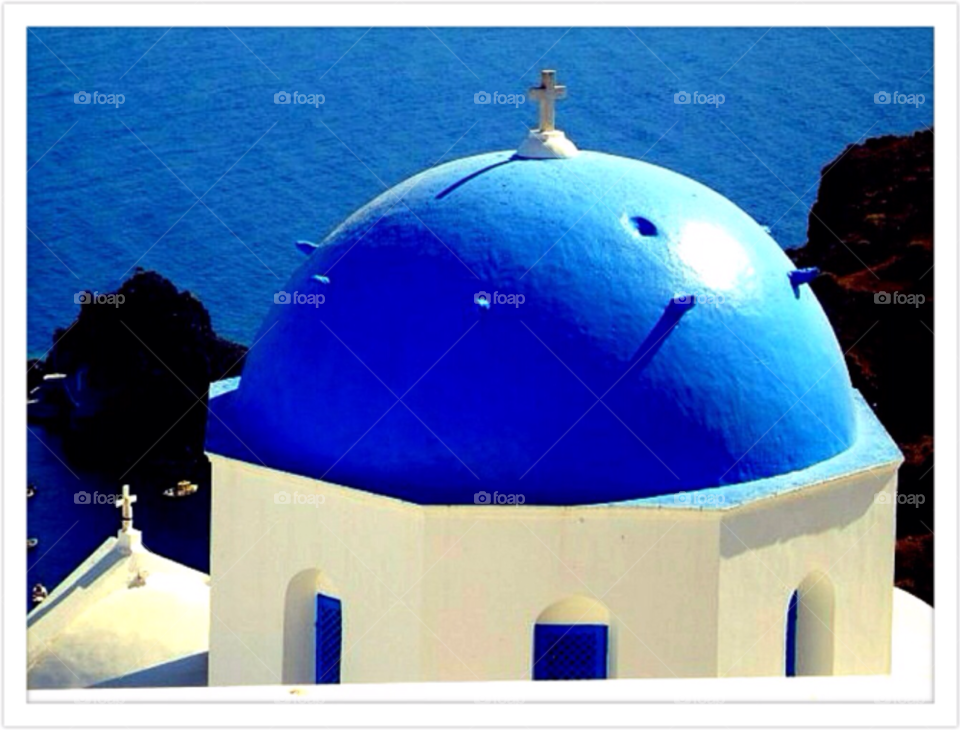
<point>678,306</point>
<point>804,276</point>
<point>681,303</point>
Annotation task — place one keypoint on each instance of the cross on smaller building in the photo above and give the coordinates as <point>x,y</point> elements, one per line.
<point>547,94</point>
<point>125,503</point>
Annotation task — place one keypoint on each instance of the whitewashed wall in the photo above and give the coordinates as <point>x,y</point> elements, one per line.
<point>453,593</point>
<point>368,548</point>
<point>844,528</point>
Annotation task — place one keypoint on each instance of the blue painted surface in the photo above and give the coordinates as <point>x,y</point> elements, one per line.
<point>487,392</point>
<point>645,227</point>
<point>799,277</point>
<point>227,385</point>
<point>306,247</point>
<point>570,651</point>
<point>329,639</point>
<point>873,446</point>
<point>790,650</point>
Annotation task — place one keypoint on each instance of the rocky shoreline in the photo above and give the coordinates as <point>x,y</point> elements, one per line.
<point>122,373</point>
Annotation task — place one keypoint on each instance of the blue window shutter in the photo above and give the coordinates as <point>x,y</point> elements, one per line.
<point>570,651</point>
<point>791,647</point>
<point>329,633</point>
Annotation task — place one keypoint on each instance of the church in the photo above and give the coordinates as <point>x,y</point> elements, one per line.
<point>549,414</point>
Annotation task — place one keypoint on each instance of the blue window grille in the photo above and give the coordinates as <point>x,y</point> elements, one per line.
<point>329,626</point>
<point>791,639</point>
<point>570,651</point>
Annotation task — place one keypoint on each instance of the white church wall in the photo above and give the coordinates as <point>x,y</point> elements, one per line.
<point>475,580</point>
<point>840,532</point>
<point>365,547</point>
<point>655,570</point>
<point>690,593</point>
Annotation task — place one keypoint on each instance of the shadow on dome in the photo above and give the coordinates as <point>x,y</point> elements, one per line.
<point>445,192</point>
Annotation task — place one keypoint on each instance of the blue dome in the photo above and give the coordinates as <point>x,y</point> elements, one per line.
<point>580,260</point>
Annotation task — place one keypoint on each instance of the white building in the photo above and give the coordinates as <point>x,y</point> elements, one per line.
<point>125,617</point>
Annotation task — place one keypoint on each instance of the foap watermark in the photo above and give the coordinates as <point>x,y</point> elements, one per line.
<point>296,700</point>
<point>313,500</point>
<point>483,97</point>
<point>98,701</point>
<point>95,498</point>
<point>912,499</point>
<point>698,701</point>
<point>715,100</point>
<point>485,299</point>
<point>497,498</point>
<point>86,297</point>
<point>699,499</point>
<point>885,97</point>
<point>501,701</point>
<point>314,100</point>
<point>282,297</point>
<point>702,299</point>
<point>114,100</point>
<point>883,297</point>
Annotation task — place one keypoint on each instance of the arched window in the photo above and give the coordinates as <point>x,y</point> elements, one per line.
<point>571,640</point>
<point>791,649</point>
<point>329,638</point>
<point>808,649</point>
<point>312,630</point>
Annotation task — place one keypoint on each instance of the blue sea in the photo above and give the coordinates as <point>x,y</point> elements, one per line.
<point>115,184</point>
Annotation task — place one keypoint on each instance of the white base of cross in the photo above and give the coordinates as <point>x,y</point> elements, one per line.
<point>550,145</point>
<point>129,541</point>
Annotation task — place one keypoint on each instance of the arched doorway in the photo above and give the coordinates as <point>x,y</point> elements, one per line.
<point>312,630</point>
<point>809,635</point>
<point>571,640</point>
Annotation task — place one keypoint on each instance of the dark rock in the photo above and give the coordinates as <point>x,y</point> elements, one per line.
<point>35,372</point>
<point>914,566</point>
<point>870,233</point>
<point>139,363</point>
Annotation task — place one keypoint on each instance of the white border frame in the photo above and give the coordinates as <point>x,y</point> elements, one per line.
<point>839,701</point>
